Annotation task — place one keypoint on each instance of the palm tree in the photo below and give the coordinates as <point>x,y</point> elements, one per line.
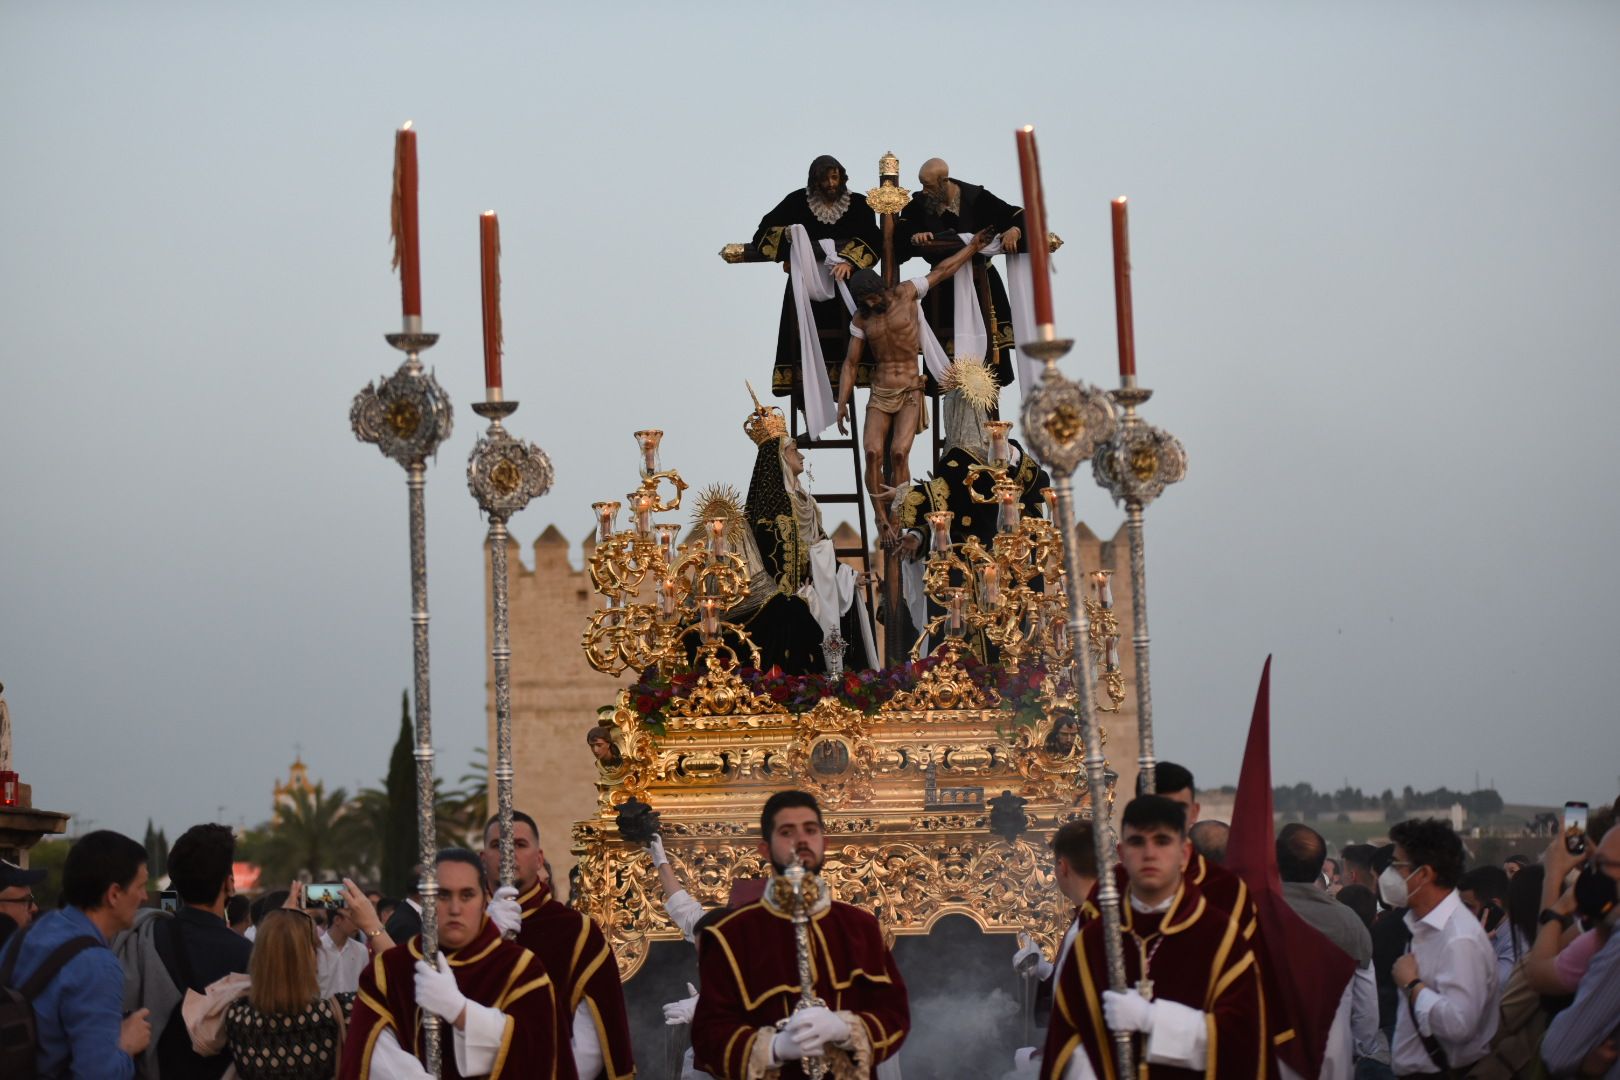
<point>313,834</point>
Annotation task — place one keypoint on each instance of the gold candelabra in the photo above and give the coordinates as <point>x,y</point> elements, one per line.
<point>658,590</point>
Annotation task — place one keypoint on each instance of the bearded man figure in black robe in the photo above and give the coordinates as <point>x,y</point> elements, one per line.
<point>946,208</point>
<point>828,210</point>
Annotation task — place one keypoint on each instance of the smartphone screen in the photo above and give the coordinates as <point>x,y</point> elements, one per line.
<point>169,900</point>
<point>324,894</point>
<point>1575,827</point>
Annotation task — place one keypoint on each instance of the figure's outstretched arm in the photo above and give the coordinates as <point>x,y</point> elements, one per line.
<point>951,265</point>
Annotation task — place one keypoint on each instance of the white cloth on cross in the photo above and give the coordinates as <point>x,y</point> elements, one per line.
<point>812,282</point>
<point>969,329</point>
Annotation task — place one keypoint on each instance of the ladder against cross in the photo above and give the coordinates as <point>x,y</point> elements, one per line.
<point>887,200</point>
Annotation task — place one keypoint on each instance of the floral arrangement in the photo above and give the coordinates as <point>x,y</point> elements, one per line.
<point>865,691</point>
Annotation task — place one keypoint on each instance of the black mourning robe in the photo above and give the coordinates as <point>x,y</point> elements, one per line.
<point>857,238</point>
<point>976,209</point>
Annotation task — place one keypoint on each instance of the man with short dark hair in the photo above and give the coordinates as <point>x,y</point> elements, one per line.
<point>749,972</point>
<point>1447,1011</point>
<point>196,946</point>
<point>239,914</point>
<point>1197,995</point>
<point>494,1000</point>
<point>78,1014</point>
<point>590,999</point>
<point>1301,852</point>
<point>1358,862</point>
<point>1483,891</point>
<point>1074,869</point>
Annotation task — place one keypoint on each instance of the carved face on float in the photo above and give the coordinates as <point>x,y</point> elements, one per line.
<point>793,457</point>
<point>796,830</point>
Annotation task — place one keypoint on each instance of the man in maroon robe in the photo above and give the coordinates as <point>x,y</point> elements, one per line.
<point>591,1015</point>
<point>1197,1007</point>
<point>493,997</point>
<point>747,1021</point>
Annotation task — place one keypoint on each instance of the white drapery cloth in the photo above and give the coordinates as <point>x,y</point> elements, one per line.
<point>812,282</point>
<point>968,318</point>
<point>831,591</point>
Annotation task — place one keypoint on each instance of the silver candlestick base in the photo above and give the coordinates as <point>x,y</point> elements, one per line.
<point>407,415</point>
<point>1064,422</point>
<point>503,474</point>
<point>1135,467</point>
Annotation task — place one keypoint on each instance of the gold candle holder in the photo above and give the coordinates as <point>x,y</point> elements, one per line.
<point>647,442</point>
<point>1000,453</point>
<point>607,519</point>
<point>940,522</point>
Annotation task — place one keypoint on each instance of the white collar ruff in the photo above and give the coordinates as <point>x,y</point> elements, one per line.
<point>826,212</point>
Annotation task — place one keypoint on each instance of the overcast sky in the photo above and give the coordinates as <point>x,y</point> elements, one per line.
<point>1374,256</point>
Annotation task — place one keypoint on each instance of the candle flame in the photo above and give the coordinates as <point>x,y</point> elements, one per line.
<point>1120,201</point>
<point>406,126</point>
<point>1028,129</point>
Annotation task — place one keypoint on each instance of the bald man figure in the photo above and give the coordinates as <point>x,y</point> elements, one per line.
<point>946,208</point>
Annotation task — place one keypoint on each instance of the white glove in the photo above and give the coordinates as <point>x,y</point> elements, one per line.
<point>1128,1011</point>
<point>437,992</point>
<point>680,1012</point>
<point>505,912</point>
<point>1026,1057</point>
<point>815,1027</point>
<point>655,848</point>
<point>783,1048</point>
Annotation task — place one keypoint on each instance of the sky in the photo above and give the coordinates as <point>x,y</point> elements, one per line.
<point>1373,258</point>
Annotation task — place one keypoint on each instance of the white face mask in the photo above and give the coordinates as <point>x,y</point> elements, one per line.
<point>1392,887</point>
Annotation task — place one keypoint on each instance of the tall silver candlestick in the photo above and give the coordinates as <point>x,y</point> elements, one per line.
<point>1063,422</point>
<point>407,415</point>
<point>1135,466</point>
<point>503,474</point>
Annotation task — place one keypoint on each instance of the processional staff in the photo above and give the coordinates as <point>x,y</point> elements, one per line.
<point>1064,422</point>
<point>1135,465</point>
<point>407,415</point>
<point>503,474</point>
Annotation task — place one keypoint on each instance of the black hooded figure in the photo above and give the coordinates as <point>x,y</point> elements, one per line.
<point>828,210</point>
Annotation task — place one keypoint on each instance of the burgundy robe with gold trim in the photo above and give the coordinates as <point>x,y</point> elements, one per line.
<point>1199,959</point>
<point>582,967</point>
<point>749,977</point>
<point>488,971</point>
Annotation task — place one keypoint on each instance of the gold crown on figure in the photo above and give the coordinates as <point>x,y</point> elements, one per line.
<point>974,379</point>
<point>765,422</point>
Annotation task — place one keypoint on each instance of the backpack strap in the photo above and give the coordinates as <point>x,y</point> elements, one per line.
<point>54,963</point>
<point>10,966</point>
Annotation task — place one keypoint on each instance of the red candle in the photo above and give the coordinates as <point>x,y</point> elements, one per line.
<point>1029,164</point>
<point>407,256</point>
<point>1122,292</point>
<point>489,247</point>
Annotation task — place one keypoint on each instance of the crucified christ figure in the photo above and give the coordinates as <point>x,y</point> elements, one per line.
<point>887,321</point>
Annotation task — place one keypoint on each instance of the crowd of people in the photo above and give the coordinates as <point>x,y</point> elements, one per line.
<point>1490,971</point>
<point>1425,965</point>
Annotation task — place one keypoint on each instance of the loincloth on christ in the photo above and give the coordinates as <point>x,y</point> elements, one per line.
<point>892,399</point>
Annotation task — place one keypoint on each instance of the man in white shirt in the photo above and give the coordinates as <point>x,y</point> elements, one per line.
<point>1447,1014</point>
<point>342,957</point>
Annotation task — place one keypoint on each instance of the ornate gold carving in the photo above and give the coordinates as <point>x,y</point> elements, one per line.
<point>1064,424</point>
<point>404,418</point>
<point>888,198</point>
<point>1053,241</point>
<point>733,253</point>
<point>888,165</point>
<point>944,686</point>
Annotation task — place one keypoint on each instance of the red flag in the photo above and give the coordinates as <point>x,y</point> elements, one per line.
<point>1305,972</point>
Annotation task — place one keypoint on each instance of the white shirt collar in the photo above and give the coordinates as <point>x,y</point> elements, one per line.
<point>1141,907</point>
<point>1439,915</point>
